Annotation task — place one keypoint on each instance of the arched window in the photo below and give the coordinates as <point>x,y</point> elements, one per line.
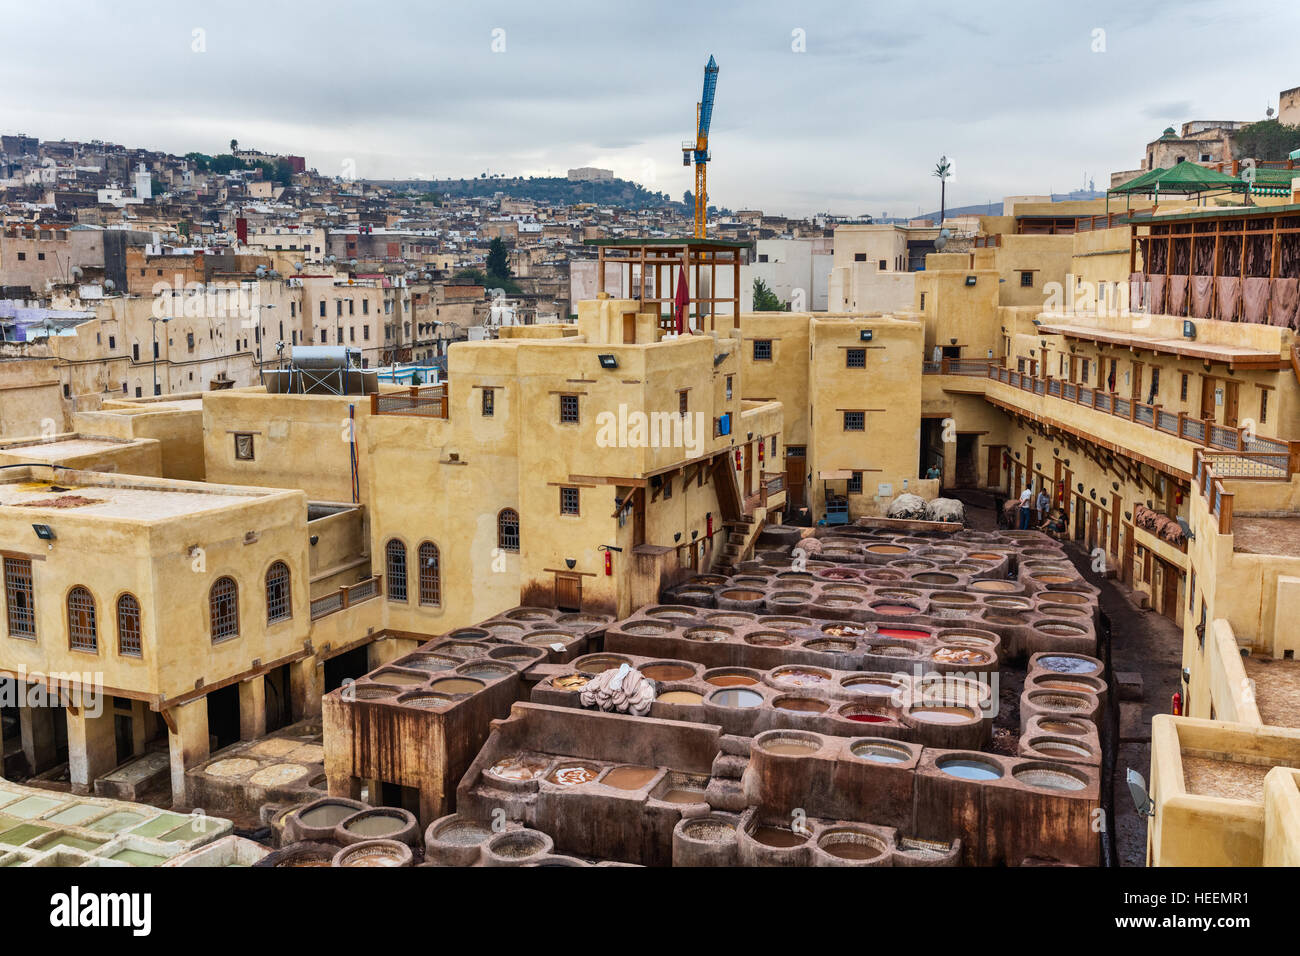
<point>395,552</point>
<point>279,605</point>
<point>430,574</point>
<point>128,626</point>
<point>508,530</point>
<point>82,634</point>
<point>223,609</point>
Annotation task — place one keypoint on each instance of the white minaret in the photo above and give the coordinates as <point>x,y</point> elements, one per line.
<point>143,183</point>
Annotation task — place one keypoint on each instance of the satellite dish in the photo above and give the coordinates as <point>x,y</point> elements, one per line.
<point>352,262</point>
<point>1269,112</point>
<point>261,270</point>
<point>941,240</point>
<point>273,274</point>
<point>110,285</point>
<point>297,267</point>
<point>1137,788</point>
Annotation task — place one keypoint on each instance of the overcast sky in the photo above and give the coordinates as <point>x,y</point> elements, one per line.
<point>1025,97</point>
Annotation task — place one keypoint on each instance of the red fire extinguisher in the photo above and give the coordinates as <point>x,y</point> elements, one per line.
<point>1178,704</point>
<point>737,459</point>
<point>760,452</point>
<point>708,524</point>
<point>609,563</point>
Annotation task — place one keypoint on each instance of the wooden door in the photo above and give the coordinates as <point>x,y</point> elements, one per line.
<point>995,467</point>
<point>638,517</point>
<point>1114,524</point>
<point>1169,601</point>
<point>568,591</point>
<point>1207,397</point>
<point>1126,559</point>
<point>629,328</point>
<point>1230,393</point>
<point>749,470</point>
<point>1136,392</point>
<point>796,470</point>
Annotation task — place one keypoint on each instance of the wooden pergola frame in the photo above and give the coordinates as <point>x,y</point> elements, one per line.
<point>657,257</point>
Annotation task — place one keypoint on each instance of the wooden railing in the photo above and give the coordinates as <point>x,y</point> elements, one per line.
<point>1211,488</point>
<point>951,366</point>
<point>1275,457</point>
<point>427,401</point>
<point>346,596</point>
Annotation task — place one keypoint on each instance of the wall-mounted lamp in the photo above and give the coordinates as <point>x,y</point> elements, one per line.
<point>44,532</point>
<point>1114,486</point>
<point>1080,487</point>
<point>608,361</point>
<point>695,534</point>
<point>677,536</point>
<point>570,563</point>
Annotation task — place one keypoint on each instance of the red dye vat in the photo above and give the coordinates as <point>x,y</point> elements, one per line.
<point>902,632</point>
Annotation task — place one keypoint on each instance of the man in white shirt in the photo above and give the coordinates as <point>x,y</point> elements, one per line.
<point>1026,498</point>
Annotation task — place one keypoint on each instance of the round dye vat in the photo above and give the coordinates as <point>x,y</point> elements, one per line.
<point>960,655</point>
<point>1061,749</point>
<point>768,639</point>
<point>520,767</point>
<point>801,676</point>
<point>571,681</point>
<point>457,685</point>
<point>1061,629</point>
<point>397,678</point>
<point>1053,578</point>
<point>857,714</point>
<point>790,746</point>
<point>830,646</point>
<point>891,650</point>
<point>515,655</point>
<point>375,825</point>
<point>844,630</point>
<point>732,619</point>
<point>1049,778</point>
<point>426,701</point>
<point>940,714</point>
<point>742,594</point>
<point>849,589</point>
<point>934,577</point>
<point>840,602</point>
<point>504,629</point>
<point>461,651</point>
<point>428,662</point>
<point>880,752</point>
<point>710,635</point>
<point>1062,701</point>
<point>902,633</point>
<point>984,556</point>
<point>378,853</point>
<point>598,664</point>
<point>646,629</point>
<point>667,672</point>
<point>994,585</point>
<point>547,638</point>
<point>1064,664</point>
<point>806,705</point>
<point>671,610</point>
<point>469,634</point>
<point>1064,597</point>
<point>1063,610</point>
<point>849,844</point>
<point>529,614</point>
<point>374,691</point>
<point>680,697</point>
<point>952,599</point>
<point>736,697</point>
<point>780,837</point>
<point>1009,603</point>
<point>966,768</point>
<point>326,815</point>
<point>1070,727</point>
<point>886,549</point>
<point>573,774</point>
<point>682,795</point>
<point>896,610</point>
<point>783,623</point>
<point>1075,686</point>
<point>730,680</point>
<point>629,778</point>
<point>874,686</point>
<point>484,670</point>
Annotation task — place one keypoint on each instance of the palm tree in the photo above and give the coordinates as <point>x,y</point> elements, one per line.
<point>942,170</point>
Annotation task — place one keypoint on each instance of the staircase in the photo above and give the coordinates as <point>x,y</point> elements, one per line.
<point>739,529</point>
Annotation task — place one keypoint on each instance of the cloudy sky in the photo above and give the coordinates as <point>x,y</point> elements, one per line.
<point>841,106</point>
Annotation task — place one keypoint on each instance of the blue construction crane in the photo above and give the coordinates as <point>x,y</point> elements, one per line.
<point>698,151</point>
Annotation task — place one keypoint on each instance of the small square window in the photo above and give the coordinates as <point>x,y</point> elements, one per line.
<point>762,350</point>
<point>855,358</point>
<point>683,402</point>
<point>489,402</point>
<point>668,488</point>
<point>855,483</point>
<point>569,409</point>
<point>243,447</point>
<point>728,388</point>
<point>855,421</point>
<point>1026,280</point>
<point>859,257</point>
<point>568,501</point>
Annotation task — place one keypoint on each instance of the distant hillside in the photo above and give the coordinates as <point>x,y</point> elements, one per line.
<point>553,190</point>
<point>995,208</point>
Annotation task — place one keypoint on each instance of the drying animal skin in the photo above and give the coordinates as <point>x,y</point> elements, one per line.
<point>625,690</point>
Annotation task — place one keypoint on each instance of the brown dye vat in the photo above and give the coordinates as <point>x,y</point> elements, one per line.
<point>729,619</point>
<point>952,599</point>
<point>428,662</point>
<point>646,628</point>
<point>426,701</point>
<point>468,634</point>
<point>375,825</point>
<point>520,767</point>
<point>1064,597</point>
<point>790,746</point>
<point>1051,778</point>
<point>912,565</point>
<point>484,670</point>
<point>849,589</point>
<point>783,623</point>
<point>998,585</point>
<point>671,610</point>
<point>683,796</point>
<point>960,655</point>
<point>1061,629</point>
<point>680,697</point>
<point>573,774</point>
<point>1061,749</point>
<point>849,844</point>
<point>984,556</point>
<point>898,610</point>
<point>1062,610</point>
<point>457,685</point>
<point>512,655</point>
<point>840,602</point>
<point>1070,727</point>
<point>801,676</point>
<point>504,629</point>
<point>780,837</point>
<point>886,549</point>
<point>629,778</point>
<point>730,680</point>
<point>529,614</point>
<point>1061,702</point>
<point>570,681</point>
<point>807,705</point>
<point>668,672</point>
<point>373,692</point>
<point>1053,578</point>
<point>742,594</point>
<point>547,638</point>
<point>708,634</point>
<point>461,651</point>
<point>870,685</point>
<point>1077,686</point>
<point>935,578</point>
<point>599,663</point>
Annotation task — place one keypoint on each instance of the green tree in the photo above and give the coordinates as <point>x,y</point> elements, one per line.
<point>498,260</point>
<point>765,300</point>
<point>1267,140</point>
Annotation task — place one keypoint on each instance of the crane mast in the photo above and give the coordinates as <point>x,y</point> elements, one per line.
<point>698,151</point>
